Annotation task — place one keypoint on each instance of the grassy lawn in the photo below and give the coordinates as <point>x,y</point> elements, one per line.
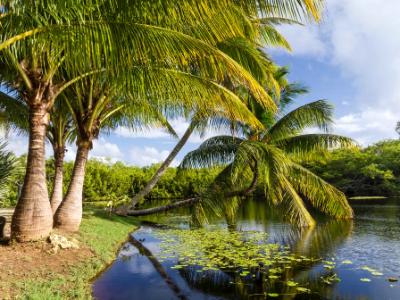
<point>67,274</point>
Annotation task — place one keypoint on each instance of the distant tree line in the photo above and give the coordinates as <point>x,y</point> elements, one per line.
<point>118,182</point>
<point>371,171</point>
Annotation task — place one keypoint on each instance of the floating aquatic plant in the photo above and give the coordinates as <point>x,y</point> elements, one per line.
<point>246,253</point>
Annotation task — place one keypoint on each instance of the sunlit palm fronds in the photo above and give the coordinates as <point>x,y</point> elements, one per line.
<point>315,114</point>
<point>303,145</point>
<point>270,154</point>
<point>319,193</point>
<point>219,150</point>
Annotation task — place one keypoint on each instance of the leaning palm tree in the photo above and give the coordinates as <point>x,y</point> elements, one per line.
<point>97,104</point>
<point>40,38</point>
<point>253,59</point>
<point>257,62</point>
<point>271,158</point>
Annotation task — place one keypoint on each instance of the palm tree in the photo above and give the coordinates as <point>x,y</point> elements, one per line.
<point>69,214</point>
<point>97,104</point>
<point>59,132</point>
<point>253,59</point>
<point>38,39</point>
<point>272,157</point>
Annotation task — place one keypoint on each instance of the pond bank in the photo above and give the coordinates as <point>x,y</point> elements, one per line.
<point>32,271</point>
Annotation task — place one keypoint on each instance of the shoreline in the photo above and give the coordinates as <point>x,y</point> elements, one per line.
<point>31,271</point>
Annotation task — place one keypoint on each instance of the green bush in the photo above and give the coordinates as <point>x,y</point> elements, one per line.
<point>372,171</point>
<point>118,182</point>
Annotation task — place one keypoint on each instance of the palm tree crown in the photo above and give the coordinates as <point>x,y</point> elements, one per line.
<point>272,156</point>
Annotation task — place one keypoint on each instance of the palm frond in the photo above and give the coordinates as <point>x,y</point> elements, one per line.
<point>315,114</point>
<point>218,150</point>
<point>297,212</point>
<point>16,115</point>
<point>303,145</point>
<point>320,194</point>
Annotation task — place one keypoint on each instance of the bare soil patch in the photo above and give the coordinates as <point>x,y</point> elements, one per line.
<point>36,259</point>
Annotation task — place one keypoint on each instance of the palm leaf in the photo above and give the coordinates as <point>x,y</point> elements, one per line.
<point>306,144</point>
<point>314,114</point>
<point>320,194</point>
<point>218,150</point>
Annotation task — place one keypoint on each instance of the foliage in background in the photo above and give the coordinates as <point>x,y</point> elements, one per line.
<point>106,181</point>
<point>7,167</point>
<point>372,171</point>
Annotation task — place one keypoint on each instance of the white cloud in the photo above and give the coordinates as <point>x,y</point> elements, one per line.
<point>104,150</point>
<point>367,125</point>
<point>360,38</point>
<point>16,143</point>
<point>148,155</point>
<point>304,40</point>
<point>180,125</point>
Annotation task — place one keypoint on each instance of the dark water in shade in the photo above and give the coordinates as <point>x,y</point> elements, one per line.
<point>372,239</point>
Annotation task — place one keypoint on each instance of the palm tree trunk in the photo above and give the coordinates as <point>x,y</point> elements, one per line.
<point>156,177</point>
<point>57,194</point>
<point>33,218</point>
<point>191,201</point>
<point>68,216</point>
<point>164,208</point>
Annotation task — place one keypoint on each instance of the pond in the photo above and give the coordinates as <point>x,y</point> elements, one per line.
<point>335,260</point>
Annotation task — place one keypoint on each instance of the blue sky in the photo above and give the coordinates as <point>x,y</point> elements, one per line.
<point>352,59</point>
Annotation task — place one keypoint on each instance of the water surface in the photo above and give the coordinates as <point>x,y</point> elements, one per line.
<point>372,240</point>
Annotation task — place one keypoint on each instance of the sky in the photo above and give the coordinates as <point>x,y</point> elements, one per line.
<point>352,59</point>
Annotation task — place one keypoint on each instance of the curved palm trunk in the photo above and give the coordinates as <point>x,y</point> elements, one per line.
<point>164,208</point>
<point>156,177</point>
<point>68,216</point>
<point>191,201</point>
<point>33,218</point>
<point>57,194</point>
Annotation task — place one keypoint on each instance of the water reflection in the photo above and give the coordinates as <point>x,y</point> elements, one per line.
<point>373,239</point>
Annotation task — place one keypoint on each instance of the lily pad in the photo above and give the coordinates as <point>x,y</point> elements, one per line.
<point>273,295</point>
<point>375,273</point>
<point>291,283</point>
<point>347,262</point>
<point>303,289</point>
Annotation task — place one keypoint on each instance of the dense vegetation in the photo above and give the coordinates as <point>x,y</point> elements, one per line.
<point>126,63</point>
<point>372,171</point>
<point>118,182</point>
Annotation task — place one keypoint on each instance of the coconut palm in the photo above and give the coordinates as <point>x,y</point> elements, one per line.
<point>252,59</point>
<point>40,38</point>
<point>256,61</point>
<point>271,158</point>
<point>97,104</point>
<point>59,132</point>
<point>69,214</point>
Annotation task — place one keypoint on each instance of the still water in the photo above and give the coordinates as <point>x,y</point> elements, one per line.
<point>368,244</point>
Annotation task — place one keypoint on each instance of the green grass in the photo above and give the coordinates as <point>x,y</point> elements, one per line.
<point>367,198</point>
<point>103,234</point>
